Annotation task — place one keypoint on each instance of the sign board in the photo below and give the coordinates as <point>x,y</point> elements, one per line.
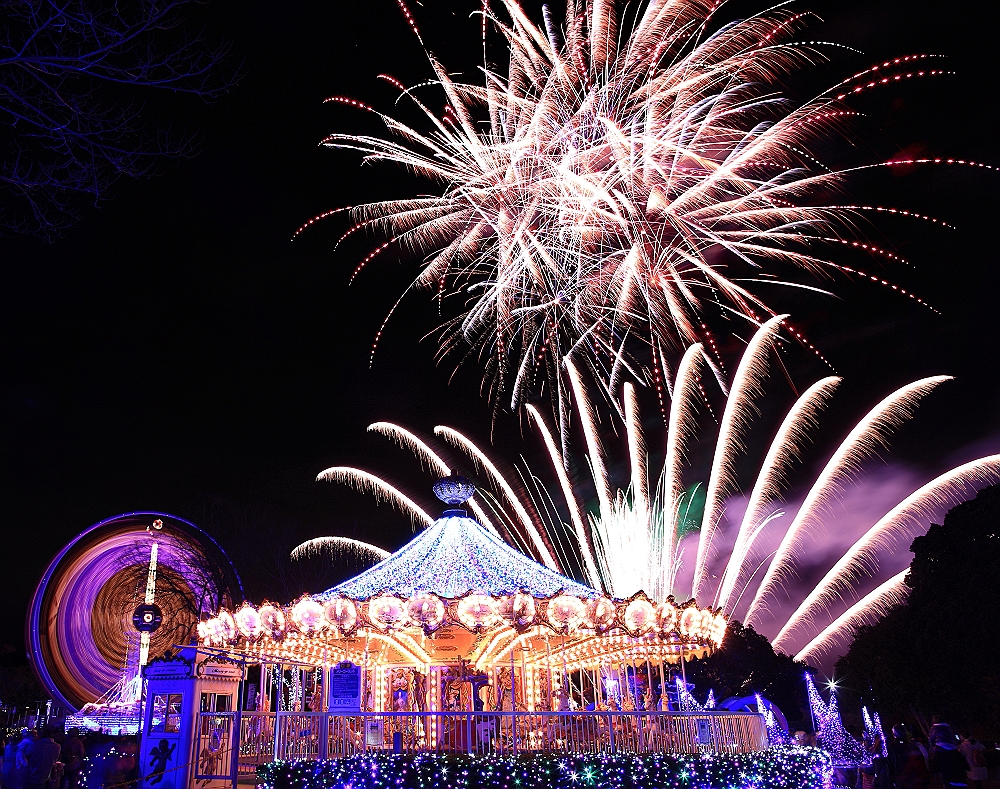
<point>345,688</point>
<point>374,734</point>
<point>704,732</point>
<point>167,670</point>
<point>220,670</point>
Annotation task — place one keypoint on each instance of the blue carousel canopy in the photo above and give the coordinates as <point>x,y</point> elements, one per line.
<point>455,556</point>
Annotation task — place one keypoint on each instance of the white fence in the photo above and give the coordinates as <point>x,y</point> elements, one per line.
<point>315,735</point>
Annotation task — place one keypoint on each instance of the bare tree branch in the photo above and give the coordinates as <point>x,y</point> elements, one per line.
<point>71,125</point>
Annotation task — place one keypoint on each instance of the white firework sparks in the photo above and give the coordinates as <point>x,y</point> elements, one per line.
<point>618,187</point>
<point>339,546</point>
<point>632,541</point>
<point>864,612</point>
<point>621,185</point>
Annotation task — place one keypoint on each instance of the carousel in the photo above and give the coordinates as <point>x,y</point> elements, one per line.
<point>459,621</point>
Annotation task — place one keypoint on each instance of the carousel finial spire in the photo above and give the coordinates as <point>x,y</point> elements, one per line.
<point>454,489</point>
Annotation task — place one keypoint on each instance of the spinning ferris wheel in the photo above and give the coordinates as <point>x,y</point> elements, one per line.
<point>124,590</point>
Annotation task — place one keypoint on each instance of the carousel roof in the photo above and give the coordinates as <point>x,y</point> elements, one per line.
<point>454,582</point>
<point>454,556</point>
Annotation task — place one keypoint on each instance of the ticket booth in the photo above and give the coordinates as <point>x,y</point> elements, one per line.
<point>190,731</point>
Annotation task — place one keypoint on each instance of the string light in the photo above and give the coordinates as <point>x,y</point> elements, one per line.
<point>786,767</point>
<point>456,556</point>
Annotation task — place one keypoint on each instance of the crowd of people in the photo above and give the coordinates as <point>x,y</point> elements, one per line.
<point>942,759</point>
<point>52,759</point>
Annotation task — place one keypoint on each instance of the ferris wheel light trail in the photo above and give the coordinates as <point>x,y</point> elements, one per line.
<point>149,599</point>
<point>82,621</point>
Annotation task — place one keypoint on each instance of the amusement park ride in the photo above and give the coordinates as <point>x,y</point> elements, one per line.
<point>124,588</point>
<point>456,643</point>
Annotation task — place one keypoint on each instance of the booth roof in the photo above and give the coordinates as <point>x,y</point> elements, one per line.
<point>455,556</point>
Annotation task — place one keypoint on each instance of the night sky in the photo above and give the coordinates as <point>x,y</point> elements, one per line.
<point>177,351</point>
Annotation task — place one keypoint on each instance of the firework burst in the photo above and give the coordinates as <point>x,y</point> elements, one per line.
<point>619,186</point>
<point>747,564</point>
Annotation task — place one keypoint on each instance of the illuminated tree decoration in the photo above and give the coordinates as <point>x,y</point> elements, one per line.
<point>830,732</point>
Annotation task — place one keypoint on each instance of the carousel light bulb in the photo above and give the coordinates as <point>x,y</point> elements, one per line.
<point>248,621</point>
<point>387,612</point>
<point>273,620</point>
<point>307,615</point>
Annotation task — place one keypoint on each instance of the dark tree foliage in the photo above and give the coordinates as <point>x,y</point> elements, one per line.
<point>939,652</point>
<point>19,687</point>
<point>747,664</point>
<point>70,121</point>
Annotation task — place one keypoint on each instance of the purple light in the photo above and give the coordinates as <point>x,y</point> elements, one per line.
<point>61,624</point>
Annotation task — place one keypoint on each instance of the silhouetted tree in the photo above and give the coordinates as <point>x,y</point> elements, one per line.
<point>19,687</point>
<point>747,664</point>
<point>70,122</point>
<point>190,586</point>
<point>939,652</point>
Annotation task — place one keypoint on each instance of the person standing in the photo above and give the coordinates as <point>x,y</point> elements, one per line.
<point>940,732</point>
<point>41,757</point>
<point>975,756</point>
<point>906,761</point>
<point>16,780</point>
<point>9,762</point>
<point>948,762</point>
<point>73,753</point>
